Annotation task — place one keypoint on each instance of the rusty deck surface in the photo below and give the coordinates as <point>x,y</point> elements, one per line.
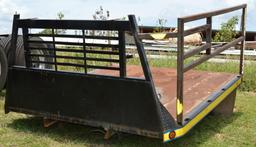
<point>198,85</point>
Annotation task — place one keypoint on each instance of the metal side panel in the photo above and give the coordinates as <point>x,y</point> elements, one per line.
<point>121,104</point>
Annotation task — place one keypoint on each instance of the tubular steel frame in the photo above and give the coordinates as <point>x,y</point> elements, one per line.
<point>158,120</point>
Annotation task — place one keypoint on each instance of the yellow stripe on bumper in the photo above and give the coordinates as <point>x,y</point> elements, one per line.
<point>182,131</point>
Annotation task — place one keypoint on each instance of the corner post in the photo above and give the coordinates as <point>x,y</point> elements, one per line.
<point>180,71</point>
<point>14,38</point>
<point>243,31</point>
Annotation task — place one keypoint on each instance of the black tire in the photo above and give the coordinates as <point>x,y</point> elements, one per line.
<point>3,68</point>
<point>5,43</point>
<point>5,59</point>
<point>20,58</point>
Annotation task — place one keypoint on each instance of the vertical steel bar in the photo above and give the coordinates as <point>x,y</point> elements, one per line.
<point>84,48</point>
<point>54,49</point>
<point>180,72</point>
<point>243,31</point>
<point>26,49</point>
<point>122,54</point>
<point>209,35</point>
<point>15,29</point>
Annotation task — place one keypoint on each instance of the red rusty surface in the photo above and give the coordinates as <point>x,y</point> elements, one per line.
<point>198,85</point>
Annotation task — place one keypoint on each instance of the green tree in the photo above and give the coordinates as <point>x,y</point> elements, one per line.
<point>60,15</point>
<point>101,14</point>
<point>227,32</point>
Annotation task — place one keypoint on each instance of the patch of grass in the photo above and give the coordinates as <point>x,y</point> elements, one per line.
<point>238,130</point>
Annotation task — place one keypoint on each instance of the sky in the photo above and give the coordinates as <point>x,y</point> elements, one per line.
<point>149,11</point>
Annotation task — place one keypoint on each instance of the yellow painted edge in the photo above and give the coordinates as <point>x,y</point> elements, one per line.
<point>182,131</point>
<point>166,137</point>
<point>179,107</point>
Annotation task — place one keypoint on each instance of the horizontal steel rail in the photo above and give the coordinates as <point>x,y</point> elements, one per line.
<point>75,65</point>
<point>74,43</point>
<point>197,29</point>
<point>76,58</point>
<point>168,35</point>
<point>74,24</point>
<point>197,50</point>
<point>193,18</point>
<point>213,54</point>
<point>74,36</point>
<point>78,51</point>
<point>213,13</point>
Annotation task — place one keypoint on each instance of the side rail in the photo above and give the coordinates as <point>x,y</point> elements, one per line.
<point>182,55</point>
